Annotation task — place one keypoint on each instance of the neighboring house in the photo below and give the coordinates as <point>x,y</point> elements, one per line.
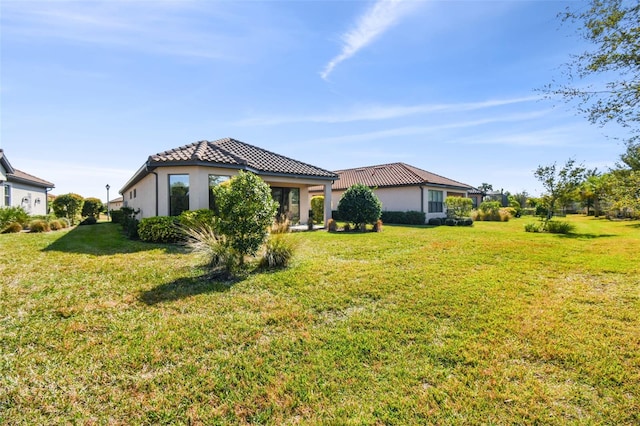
<point>498,196</point>
<point>116,203</point>
<point>401,187</point>
<point>20,189</point>
<point>182,179</point>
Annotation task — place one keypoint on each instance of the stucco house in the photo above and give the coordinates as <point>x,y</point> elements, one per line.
<point>20,189</point>
<point>401,187</point>
<point>182,178</point>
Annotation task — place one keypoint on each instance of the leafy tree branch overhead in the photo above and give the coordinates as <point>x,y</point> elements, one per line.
<point>605,79</point>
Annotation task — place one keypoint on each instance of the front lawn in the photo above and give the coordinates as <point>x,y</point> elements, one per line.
<point>414,325</point>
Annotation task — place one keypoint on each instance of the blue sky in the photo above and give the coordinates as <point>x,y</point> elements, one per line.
<point>90,89</point>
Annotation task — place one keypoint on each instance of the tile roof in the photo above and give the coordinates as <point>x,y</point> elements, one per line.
<point>19,175</point>
<point>393,174</point>
<point>231,152</point>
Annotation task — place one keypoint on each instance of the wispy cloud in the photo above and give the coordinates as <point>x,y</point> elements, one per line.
<point>175,28</point>
<point>379,112</point>
<point>419,130</point>
<point>375,21</point>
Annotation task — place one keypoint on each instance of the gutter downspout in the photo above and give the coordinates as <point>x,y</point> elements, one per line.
<point>421,199</point>
<point>156,175</point>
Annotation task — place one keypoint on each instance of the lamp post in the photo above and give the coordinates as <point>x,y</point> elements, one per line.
<point>108,214</point>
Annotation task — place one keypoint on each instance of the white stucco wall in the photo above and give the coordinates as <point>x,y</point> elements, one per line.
<point>31,198</point>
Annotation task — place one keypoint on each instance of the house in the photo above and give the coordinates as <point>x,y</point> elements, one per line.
<point>182,179</point>
<point>401,187</point>
<point>20,189</point>
<point>116,203</point>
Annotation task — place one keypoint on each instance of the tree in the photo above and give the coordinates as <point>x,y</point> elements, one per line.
<point>359,205</point>
<point>92,207</point>
<point>605,80</point>
<point>246,211</point>
<point>485,187</point>
<point>559,184</point>
<point>68,206</point>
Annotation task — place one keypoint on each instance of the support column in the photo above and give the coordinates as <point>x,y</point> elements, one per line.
<point>327,204</point>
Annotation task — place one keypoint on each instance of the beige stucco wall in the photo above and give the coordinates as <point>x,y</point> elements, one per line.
<point>404,199</point>
<point>199,189</point>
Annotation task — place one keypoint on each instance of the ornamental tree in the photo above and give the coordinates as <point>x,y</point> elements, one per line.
<point>68,206</point>
<point>246,210</point>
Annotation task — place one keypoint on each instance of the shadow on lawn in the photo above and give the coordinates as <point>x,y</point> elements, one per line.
<point>183,288</point>
<point>103,239</point>
<point>586,236</point>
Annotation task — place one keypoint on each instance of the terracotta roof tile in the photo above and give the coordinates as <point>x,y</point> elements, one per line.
<point>232,152</point>
<point>26,177</point>
<point>393,174</point>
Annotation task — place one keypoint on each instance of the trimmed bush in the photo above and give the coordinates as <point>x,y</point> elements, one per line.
<point>332,225</point>
<point>55,225</point>
<point>359,205</point>
<point>160,229</point>
<point>435,221</point>
<point>116,216</point>
<point>377,227</point>
<point>317,208</point>
<point>195,218</point>
<point>12,228</point>
<point>450,221</point>
<point>39,225</point>
<point>411,217</point>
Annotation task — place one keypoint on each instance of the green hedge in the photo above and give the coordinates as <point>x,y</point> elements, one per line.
<point>160,229</point>
<point>411,217</point>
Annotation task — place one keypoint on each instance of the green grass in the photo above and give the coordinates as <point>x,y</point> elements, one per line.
<point>414,325</point>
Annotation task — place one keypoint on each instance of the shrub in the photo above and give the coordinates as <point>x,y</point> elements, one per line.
<point>458,206</point>
<point>347,227</point>
<point>9,215</point>
<point>278,251</point>
<point>68,205</point>
<point>246,211</point>
<point>39,225</point>
<point>359,205</point>
<point>434,221</point>
<point>12,228</point>
<point>411,217</point>
<point>559,227</point>
<point>219,257</point>
<point>450,221</point>
<point>116,216</point>
<point>64,222</point>
<point>196,218</point>
<point>467,221</point>
<point>55,225</point>
<point>159,229</point>
<point>532,227</point>
<point>377,227</point>
<point>332,225</point>
<point>317,208</point>
<point>92,207</point>
<point>491,213</point>
<point>90,220</point>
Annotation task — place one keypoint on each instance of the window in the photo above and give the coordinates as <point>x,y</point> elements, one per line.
<point>134,193</point>
<point>288,200</point>
<point>178,194</point>
<point>215,180</point>
<point>7,195</point>
<point>130,195</point>
<point>435,201</point>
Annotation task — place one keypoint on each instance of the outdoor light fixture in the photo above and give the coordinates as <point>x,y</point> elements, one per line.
<point>108,214</point>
